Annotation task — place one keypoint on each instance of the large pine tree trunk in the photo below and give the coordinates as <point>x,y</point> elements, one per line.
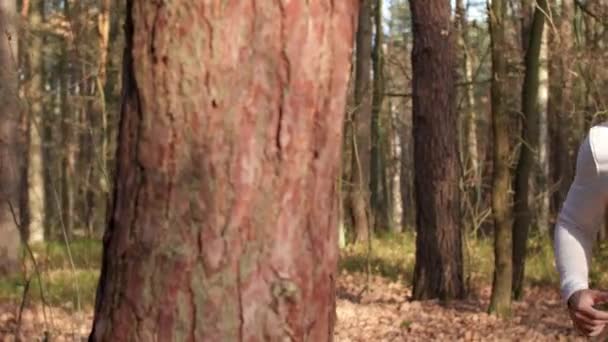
<point>523,210</point>
<point>224,225</point>
<point>360,194</point>
<point>501,186</point>
<point>439,265</point>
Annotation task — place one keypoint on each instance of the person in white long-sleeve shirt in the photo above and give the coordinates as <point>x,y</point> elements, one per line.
<point>580,217</point>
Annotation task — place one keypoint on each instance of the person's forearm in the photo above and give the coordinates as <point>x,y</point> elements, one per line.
<point>572,254</point>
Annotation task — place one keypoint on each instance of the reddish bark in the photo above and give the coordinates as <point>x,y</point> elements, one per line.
<point>225,212</point>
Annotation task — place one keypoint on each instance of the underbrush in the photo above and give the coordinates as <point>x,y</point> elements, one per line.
<point>68,277</point>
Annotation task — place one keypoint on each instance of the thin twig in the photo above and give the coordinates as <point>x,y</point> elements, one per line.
<point>367,213</point>
<point>22,306</point>
<point>36,268</point>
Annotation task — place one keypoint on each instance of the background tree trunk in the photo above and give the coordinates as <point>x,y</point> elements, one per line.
<point>394,167</point>
<point>361,119</point>
<point>10,153</point>
<point>472,202</point>
<point>379,192</point>
<point>469,126</point>
<point>501,199</point>
<point>438,272</point>
<point>33,91</point>
<point>566,126</point>
<point>67,140</point>
<point>225,213</point>
<point>523,210</point>
<point>544,187</point>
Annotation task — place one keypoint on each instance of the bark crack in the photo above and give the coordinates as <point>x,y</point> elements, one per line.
<point>239,292</point>
<point>193,313</point>
<point>205,18</point>
<point>171,163</point>
<point>284,78</point>
<point>159,4</point>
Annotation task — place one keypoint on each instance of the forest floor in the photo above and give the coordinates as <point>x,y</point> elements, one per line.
<point>384,312</point>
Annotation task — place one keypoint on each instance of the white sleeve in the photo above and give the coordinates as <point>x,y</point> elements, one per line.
<point>582,213</point>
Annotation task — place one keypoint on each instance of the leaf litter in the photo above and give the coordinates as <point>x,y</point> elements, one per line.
<point>384,312</point>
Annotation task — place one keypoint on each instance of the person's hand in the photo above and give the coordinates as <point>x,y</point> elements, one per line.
<point>588,320</point>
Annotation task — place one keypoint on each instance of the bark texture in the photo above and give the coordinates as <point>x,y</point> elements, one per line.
<point>224,223</point>
<point>9,136</point>
<point>439,266</point>
<point>500,302</point>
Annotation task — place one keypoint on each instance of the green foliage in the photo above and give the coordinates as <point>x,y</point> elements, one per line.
<point>393,256</point>
<point>86,253</point>
<point>61,285</point>
<point>540,262</point>
<point>598,277</point>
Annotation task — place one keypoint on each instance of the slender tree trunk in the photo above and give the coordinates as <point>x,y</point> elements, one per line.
<point>48,131</point>
<point>395,168</point>
<point>35,174</point>
<point>526,19</point>
<point>472,176</point>
<point>379,193</point>
<point>408,164</point>
<point>226,208</point>
<point>102,76</point>
<point>470,117</point>
<point>359,197</point>
<point>98,189</point>
<point>544,151</point>
<point>438,272</point>
<point>9,137</point>
<point>23,125</point>
<point>523,210</point>
<point>67,141</point>
<point>500,303</point>
<point>566,126</point>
